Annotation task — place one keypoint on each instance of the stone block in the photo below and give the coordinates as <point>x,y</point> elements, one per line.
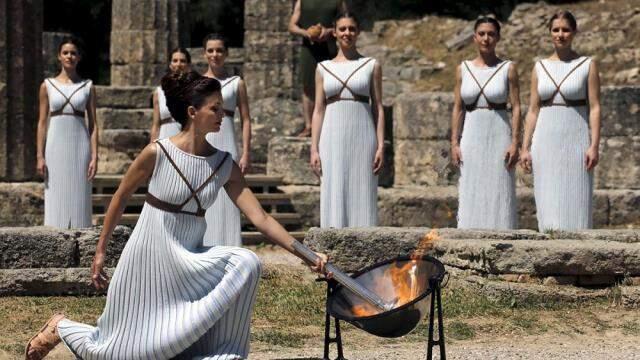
<point>630,296</point>
<point>137,74</point>
<point>560,280</point>
<point>124,97</point>
<point>596,280</point>
<point>37,247</point>
<point>131,119</point>
<point>88,240</point>
<point>423,162</point>
<point>48,282</point>
<point>139,46</point>
<point>306,202</point>
<point>121,140</point>
<point>289,158</point>
<point>624,207</point>
<point>268,16</point>
<point>140,15</point>
<point>423,116</point>
<point>620,111</point>
<point>412,206</point>
<point>272,116</point>
<point>22,204</point>
<point>266,80</point>
<point>269,47</point>
<point>618,167</point>
<point>113,162</point>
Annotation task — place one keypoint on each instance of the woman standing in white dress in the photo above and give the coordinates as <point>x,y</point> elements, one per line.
<point>223,218</point>
<point>163,125</point>
<point>488,150</point>
<point>169,297</point>
<point>67,144</point>
<point>563,129</point>
<point>348,132</point>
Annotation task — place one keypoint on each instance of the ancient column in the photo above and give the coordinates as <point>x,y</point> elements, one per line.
<point>20,76</point>
<point>142,34</point>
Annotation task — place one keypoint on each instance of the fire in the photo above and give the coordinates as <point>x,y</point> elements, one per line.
<point>400,281</point>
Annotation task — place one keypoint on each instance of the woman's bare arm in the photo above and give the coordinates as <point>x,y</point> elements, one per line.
<point>592,156</point>
<point>138,173</point>
<point>43,114</point>
<point>293,22</point>
<point>457,119</point>
<point>316,124</point>
<point>378,112</point>
<point>93,128</point>
<point>530,122</point>
<point>243,106</point>
<point>514,98</point>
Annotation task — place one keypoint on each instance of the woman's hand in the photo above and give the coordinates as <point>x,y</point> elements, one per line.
<point>591,158</point>
<point>244,163</point>
<point>456,155</point>
<point>98,277</point>
<point>378,161</point>
<point>320,264</point>
<point>326,34</point>
<point>511,156</point>
<point>41,167</point>
<point>315,164</point>
<point>93,168</point>
<point>525,161</point>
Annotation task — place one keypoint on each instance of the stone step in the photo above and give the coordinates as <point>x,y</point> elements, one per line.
<point>104,182</point>
<point>124,97</point>
<point>131,219</point>
<point>103,200</point>
<point>254,237</point>
<point>118,119</point>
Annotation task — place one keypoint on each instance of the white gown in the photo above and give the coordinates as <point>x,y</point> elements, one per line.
<point>223,217</point>
<point>168,126</point>
<point>348,187</point>
<point>67,192</point>
<point>169,297</point>
<point>563,187</point>
<point>487,190</point>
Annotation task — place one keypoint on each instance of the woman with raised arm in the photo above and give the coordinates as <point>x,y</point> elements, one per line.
<point>563,129</point>
<point>163,125</point>
<point>169,297</point>
<point>348,132</point>
<point>311,19</point>
<point>223,217</point>
<point>487,150</point>
<point>67,144</point>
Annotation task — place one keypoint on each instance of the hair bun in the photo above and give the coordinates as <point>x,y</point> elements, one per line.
<point>184,89</point>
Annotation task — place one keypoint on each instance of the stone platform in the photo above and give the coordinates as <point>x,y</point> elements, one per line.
<point>521,264</point>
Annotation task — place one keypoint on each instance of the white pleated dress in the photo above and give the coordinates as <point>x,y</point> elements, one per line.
<point>347,147</point>
<point>67,191</point>
<point>223,217</point>
<point>169,297</point>
<point>168,126</point>
<point>487,192</point>
<point>563,187</point>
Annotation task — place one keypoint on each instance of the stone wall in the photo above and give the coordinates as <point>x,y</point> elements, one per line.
<point>20,39</point>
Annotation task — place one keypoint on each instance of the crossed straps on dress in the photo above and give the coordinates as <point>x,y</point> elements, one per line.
<point>490,105</point>
<point>567,102</point>
<point>67,101</point>
<point>177,208</point>
<point>337,96</point>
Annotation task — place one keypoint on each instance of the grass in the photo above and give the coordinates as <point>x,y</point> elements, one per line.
<point>289,312</point>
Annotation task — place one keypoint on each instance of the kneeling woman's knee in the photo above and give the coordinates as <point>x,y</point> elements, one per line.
<point>250,261</point>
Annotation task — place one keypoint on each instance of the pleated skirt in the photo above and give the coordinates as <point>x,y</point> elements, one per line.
<point>563,187</point>
<point>487,192</point>
<point>169,298</point>
<point>223,217</point>
<point>348,187</point>
<point>67,192</point>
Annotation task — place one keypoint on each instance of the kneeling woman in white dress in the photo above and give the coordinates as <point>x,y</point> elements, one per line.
<point>488,150</point>
<point>223,217</point>
<point>348,132</point>
<point>169,297</point>
<point>67,144</point>
<point>564,121</point>
<point>163,125</point>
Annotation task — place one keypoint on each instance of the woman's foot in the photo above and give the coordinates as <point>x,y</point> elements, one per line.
<point>45,340</point>
<point>306,132</point>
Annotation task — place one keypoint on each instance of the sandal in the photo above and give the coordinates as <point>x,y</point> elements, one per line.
<point>45,340</point>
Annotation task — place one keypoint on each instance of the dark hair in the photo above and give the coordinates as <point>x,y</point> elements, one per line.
<point>182,51</point>
<point>184,89</point>
<point>346,15</point>
<point>214,36</point>
<point>566,15</point>
<point>74,40</point>
<point>487,20</point>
